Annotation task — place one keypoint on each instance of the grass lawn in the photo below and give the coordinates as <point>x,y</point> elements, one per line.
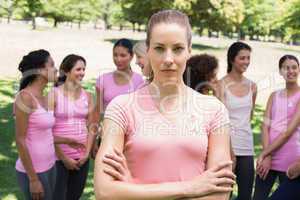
<point>8,153</point>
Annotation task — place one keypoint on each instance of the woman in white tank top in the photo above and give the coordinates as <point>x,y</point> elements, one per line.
<point>238,94</point>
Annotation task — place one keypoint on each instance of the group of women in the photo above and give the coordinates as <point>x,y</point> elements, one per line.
<point>179,133</point>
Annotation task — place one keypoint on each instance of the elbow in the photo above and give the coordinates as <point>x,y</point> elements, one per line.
<point>101,193</point>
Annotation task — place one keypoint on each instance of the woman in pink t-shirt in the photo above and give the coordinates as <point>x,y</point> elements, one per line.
<point>73,108</point>
<point>34,121</point>
<point>175,140</point>
<point>280,136</point>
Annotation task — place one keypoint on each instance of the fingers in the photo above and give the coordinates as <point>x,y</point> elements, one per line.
<point>221,181</point>
<point>113,173</point>
<point>113,163</point>
<point>223,189</point>
<point>116,158</point>
<point>225,173</point>
<point>221,166</point>
<point>37,196</point>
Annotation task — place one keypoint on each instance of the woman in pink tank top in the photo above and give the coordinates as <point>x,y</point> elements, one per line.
<point>34,121</point>
<point>73,119</point>
<point>280,130</point>
<point>121,81</point>
<point>112,84</point>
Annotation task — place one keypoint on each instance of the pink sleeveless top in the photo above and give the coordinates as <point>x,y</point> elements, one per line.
<point>283,110</point>
<point>39,139</point>
<point>110,89</point>
<point>71,120</point>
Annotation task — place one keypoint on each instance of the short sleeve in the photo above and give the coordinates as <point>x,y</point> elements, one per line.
<point>100,82</point>
<point>219,118</point>
<point>140,81</point>
<point>117,112</point>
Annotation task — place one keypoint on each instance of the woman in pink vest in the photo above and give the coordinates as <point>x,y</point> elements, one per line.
<point>280,130</point>
<point>73,119</point>
<point>34,122</point>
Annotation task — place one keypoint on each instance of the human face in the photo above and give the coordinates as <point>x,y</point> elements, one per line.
<point>121,57</point>
<point>49,71</point>
<point>241,61</point>
<point>290,70</point>
<point>168,52</point>
<point>143,63</point>
<point>77,72</point>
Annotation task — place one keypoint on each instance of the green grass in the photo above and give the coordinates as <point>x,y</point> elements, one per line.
<point>8,153</point>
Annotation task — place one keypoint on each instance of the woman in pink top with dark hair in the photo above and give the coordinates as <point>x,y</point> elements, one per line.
<point>34,121</point>
<point>73,119</point>
<point>175,140</point>
<point>280,130</point>
<point>121,81</point>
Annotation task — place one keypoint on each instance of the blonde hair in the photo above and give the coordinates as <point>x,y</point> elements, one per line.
<point>140,48</point>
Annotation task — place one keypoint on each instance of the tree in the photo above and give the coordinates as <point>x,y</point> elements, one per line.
<point>31,9</point>
<point>292,21</point>
<point>8,6</point>
<point>58,10</point>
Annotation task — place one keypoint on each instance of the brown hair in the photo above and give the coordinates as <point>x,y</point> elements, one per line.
<point>168,17</point>
<point>66,66</point>
<point>199,71</point>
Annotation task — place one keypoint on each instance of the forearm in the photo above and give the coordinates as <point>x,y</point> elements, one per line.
<point>129,191</point>
<point>90,142</point>
<point>59,153</point>
<point>278,142</point>
<point>61,140</point>
<point>26,160</point>
<point>265,137</point>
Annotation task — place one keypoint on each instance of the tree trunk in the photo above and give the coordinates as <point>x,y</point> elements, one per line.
<point>33,23</point>
<point>55,23</point>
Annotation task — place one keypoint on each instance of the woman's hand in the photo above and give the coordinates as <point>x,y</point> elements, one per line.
<point>36,189</point>
<point>263,168</point>
<point>83,160</point>
<point>118,163</point>
<point>293,170</point>
<point>260,158</point>
<point>71,164</point>
<point>215,180</point>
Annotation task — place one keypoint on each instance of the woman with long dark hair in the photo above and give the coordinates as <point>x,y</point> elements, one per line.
<point>34,122</point>
<point>238,93</point>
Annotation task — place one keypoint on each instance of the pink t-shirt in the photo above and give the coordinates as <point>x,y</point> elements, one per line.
<point>110,89</point>
<point>71,121</point>
<point>159,150</point>
<point>283,110</point>
<point>39,140</point>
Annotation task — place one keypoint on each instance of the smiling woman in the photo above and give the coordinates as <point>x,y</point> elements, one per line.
<point>165,131</point>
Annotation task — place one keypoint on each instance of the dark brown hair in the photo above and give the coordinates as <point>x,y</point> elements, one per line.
<point>29,65</point>
<point>199,71</point>
<point>286,57</point>
<point>66,66</point>
<point>233,51</point>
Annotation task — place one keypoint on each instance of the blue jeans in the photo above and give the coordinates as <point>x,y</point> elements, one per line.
<point>47,179</point>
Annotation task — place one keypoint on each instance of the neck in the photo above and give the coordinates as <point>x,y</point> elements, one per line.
<point>292,86</point>
<point>236,76</point>
<point>167,90</point>
<point>71,86</point>
<point>38,86</point>
<point>127,70</point>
